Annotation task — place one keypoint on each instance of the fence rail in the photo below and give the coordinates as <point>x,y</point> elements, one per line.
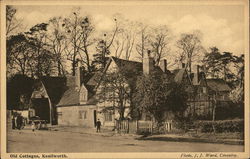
<point>139,126</point>
<point>126,126</point>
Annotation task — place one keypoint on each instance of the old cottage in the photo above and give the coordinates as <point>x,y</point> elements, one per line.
<point>81,105</point>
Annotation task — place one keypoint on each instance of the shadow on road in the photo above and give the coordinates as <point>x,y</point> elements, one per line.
<point>191,139</point>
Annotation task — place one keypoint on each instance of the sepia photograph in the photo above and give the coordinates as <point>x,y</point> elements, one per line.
<point>133,77</point>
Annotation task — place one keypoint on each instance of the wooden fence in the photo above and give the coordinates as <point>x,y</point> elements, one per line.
<point>139,126</point>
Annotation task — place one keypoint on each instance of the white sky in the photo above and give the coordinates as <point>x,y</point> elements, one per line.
<point>221,25</point>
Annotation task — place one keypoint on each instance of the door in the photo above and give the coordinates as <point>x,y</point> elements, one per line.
<point>94,118</point>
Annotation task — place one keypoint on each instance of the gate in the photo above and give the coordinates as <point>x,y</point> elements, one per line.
<point>138,126</point>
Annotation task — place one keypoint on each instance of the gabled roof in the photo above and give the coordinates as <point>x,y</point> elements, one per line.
<point>218,85</point>
<point>132,70</point>
<point>72,96</point>
<point>53,87</point>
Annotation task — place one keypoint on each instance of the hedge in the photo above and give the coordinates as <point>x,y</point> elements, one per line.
<point>221,126</point>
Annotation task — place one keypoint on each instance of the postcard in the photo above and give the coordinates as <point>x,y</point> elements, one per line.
<point>124,79</point>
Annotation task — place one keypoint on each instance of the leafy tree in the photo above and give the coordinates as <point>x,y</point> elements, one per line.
<point>103,48</point>
<point>155,95</point>
<point>237,94</point>
<point>19,89</point>
<point>102,51</point>
<point>239,65</point>
<point>19,54</point>
<point>43,63</point>
<point>219,65</point>
<point>116,91</point>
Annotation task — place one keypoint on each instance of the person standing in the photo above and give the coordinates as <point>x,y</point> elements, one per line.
<point>13,122</point>
<point>98,126</point>
<point>19,121</point>
<point>33,126</point>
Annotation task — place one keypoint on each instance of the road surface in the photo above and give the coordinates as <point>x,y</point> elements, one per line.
<point>57,141</point>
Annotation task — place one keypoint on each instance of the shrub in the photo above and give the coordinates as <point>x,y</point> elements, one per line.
<point>220,126</point>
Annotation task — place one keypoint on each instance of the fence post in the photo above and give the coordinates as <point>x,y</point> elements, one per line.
<point>128,126</point>
<point>151,126</point>
<point>136,125</point>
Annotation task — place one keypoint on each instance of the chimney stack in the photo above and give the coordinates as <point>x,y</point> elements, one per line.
<point>196,78</point>
<point>182,65</point>
<point>163,65</point>
<point>148,63</point>
<point>79,75</point>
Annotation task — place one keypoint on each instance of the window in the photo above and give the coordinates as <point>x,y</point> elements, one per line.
<point>108,116</point>
<point>83,114</point>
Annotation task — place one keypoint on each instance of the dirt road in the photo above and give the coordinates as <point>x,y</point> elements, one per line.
<point>56,141</point>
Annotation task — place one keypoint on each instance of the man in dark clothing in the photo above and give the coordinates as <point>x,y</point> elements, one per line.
<point>19,121</point>
<point>98,126</point>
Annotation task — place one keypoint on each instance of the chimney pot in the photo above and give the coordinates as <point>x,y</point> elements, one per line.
<point>183,65</point>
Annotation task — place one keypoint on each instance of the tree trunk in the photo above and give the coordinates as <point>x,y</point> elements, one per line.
<point>214,112</point>
<point>59,68</point>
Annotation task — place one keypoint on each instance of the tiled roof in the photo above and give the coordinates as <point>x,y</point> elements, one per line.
<point>71,95</point>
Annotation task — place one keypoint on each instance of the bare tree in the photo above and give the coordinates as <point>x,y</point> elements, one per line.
<point>143,40</point>
<point>159,43</point>
<point>12,23</point>
<point>190,48</point>
<point>57,41</point>
<point>79,30</point>
<point>125,38</point>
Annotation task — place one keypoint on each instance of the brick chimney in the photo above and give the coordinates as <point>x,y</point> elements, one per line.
<point>163,65</point>
<point>78,76</point>
<point>148,63</point>
<point>196,78</point>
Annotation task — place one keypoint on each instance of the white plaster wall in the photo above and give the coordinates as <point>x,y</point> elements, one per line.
<point>70,116</point>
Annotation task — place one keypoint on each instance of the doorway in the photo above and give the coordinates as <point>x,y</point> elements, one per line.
<point>42,108</point>
<point>94,118</point>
